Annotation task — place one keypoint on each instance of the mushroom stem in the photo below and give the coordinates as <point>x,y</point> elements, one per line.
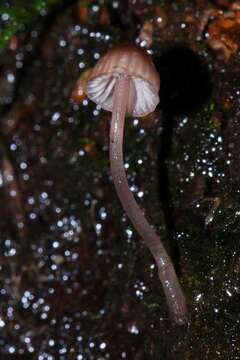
<point>171,286</point>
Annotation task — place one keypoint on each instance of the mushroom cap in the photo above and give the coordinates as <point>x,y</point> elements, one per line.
<point>125,60</point>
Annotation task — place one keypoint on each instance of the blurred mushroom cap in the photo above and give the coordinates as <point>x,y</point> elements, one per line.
<point>126,60</point>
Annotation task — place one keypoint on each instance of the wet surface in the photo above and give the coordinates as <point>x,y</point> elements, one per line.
<point>76,282</point>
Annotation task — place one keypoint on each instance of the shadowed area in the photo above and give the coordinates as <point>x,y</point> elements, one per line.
<point>185,87</point>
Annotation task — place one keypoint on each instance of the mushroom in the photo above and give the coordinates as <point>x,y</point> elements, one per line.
<point>125,82</point>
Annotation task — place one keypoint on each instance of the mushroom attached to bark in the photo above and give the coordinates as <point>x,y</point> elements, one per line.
<point>125,82</point>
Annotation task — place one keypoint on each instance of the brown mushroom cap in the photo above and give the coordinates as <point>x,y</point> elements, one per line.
<point>125,60</point>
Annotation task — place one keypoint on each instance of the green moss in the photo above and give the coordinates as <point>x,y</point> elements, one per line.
<point>20,16</point>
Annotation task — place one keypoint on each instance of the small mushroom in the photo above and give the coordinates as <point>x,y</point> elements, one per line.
<point>125,82</point>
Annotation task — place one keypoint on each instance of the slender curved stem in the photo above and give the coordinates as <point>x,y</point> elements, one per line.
<point>172,289</point>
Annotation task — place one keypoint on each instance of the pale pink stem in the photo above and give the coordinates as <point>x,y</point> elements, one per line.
<point>172,289</point>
